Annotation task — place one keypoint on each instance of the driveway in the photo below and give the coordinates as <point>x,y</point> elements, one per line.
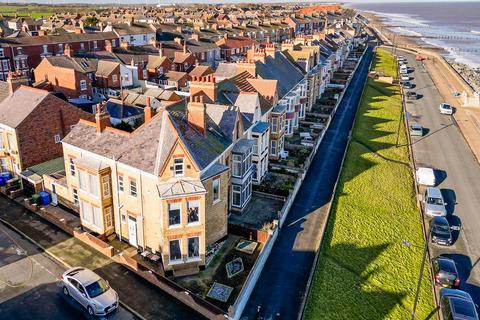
<point>282,284</point>
<point>445,149</point>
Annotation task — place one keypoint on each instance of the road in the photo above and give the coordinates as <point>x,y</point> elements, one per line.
<point>282,284</point>
<point>29,286</point>
<point>445,149</point>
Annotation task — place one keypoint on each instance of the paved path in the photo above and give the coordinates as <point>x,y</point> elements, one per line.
<point>282,284</point>
<point>444,148</point>
<point>149,301</point>
<point>35,293</point>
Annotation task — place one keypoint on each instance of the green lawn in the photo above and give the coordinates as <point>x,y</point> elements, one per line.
<point>364,271</point>
<point>385,62</point>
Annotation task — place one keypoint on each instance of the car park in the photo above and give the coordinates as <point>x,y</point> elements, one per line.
<point>457,305</point>
<point>426,176</point>
<point>416,130</point>
<point>433,203</point>
<point>440,231</point>
<point>445,108</point>
<point>445,272</point>
<point>90,290</point>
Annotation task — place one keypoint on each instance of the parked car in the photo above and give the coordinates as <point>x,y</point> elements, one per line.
<point>445,108</point>
<point>433,203</point>
<point>416,130</point>
<point>408,85</point>
<point>90,290</point>
<point>426,176</point>
<point>404,78</point>
<point>412,95</point>
<point>445,272</point>
<point>457,305</point>
<point>441,232</point>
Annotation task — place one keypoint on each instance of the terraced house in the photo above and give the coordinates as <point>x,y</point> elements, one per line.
<point>162,188</point>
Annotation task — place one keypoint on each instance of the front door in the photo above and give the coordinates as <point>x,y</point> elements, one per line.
<point>132,231</point>
<point>54,194</point>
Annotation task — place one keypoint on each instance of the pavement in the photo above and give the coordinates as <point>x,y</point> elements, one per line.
<point>146,300</point>
<point>29,286</point>
<point>282,285</point>
<point>445,149</point>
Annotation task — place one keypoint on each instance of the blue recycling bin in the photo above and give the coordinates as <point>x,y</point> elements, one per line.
<point>44,197</point>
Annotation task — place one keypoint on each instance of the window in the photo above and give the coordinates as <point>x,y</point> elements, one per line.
<point>45,48</point>
<point>60,47</point>
<point>106,186</point>
<point>174,214</point>
<point>93,184</point>
<point>95,44</point>
<point>57,138</point>
<point>82,46</point>
<point>236,195</point>
<point>2,55</point>
<point>144,37</point>
<point>2,146</point>
<point>3,164</point>
<point>274,123</point>
<point>273,149</point>
<point>83,85</point>
<point>193,248</point>
<point>192,211</point>
<point>216,190</point>
<point>255,145</point>
<point>75,197</point>
<point>97,217</point>
<point>11,142</point>
<point>86,211</point>
<point>175,250</point>
<point>88,183</point>
<point>237,165</point>
<point>5,65</point>
<point>72,167</point>
<point>114,78</point>
<point>124,218</point>
<point>120,183</point>
<point>178,167</point>
<point>133,187</point>
<point>108,217</point>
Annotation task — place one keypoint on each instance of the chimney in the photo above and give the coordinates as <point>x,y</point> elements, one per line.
<point>102,118</point>
<point>15,80</point>
<point>205,86</point>
<point>160,50</point>
<point>148,111</point>
<point>153,42</point>
<point>248,65</point>
<point>178,40</point>
<point>196,113</point>
<point>78,30</point>
<point>41,33</point>
<point>108,46</point>
<point>68,51</point>
<point>270,50</point>
<point>184,46</point>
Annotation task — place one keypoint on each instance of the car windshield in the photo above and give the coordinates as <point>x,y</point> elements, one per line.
<point>446,106</point>
<point>441,229</point>
<point>464,308</point>
<point>97,288</point>
<point>436,201</point>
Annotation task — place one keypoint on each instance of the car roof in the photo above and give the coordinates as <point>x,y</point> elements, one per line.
<point>85,276</point>
<point>439,220</point>
<point>425,170</point>
<point>447,264</point>
<point>463,309</point>
<point>434,192</point>
<point>416,125</point>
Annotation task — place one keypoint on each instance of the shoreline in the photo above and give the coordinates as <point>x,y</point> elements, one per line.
<point>467,74</point>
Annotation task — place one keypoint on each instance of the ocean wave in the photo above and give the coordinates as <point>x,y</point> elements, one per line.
<point>401,18</point>
<point>406,32</point>
<point>475,32</point>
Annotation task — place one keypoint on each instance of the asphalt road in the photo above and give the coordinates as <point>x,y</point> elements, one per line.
<point>282,284</point>
<point>445,149</point>
<point>29,286</point>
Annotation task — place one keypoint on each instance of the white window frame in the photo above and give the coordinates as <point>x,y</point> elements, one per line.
<point>5,65</point>
<point>174,206</point>
<point>108,217</point>
<point>75,196</point>
<point>114,78</point>
<point>273,147</point>
<point>216,198</point>
<point>83,85</point>
<point>2,54</point>
<point>73,170</point>
<point>239,192</point>
<point>236,164</point>
<point>133,188</point>
<point>178,167</point>
<point>121,186</point>
<point>97,219</point>
<point>57,138</point>
<point>106,190</point>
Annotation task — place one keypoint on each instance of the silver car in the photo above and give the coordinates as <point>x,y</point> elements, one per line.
<point>433,203</point>
<point>416,130</point>
<point>91,291</point>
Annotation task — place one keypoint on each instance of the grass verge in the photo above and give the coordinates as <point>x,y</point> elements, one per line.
<point>364,271</point>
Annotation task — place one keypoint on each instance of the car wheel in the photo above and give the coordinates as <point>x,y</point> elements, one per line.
<point>65,291</point>
<point>90,311</point>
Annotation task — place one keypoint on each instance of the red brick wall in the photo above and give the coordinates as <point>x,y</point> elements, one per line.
<point>36,133</point>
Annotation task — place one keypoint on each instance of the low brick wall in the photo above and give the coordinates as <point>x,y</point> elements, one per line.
<point>94,242</point>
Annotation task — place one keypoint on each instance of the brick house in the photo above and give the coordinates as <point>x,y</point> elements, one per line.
<point>32,124</point>
<point>69,75</point>
<point>233,48</point>
<point>26,53</point>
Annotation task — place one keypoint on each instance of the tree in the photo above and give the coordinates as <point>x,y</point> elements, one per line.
<point>90,21</point>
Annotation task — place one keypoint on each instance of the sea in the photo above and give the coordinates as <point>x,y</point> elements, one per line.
<point>453,26</point>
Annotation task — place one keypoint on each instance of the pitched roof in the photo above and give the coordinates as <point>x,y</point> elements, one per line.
<point>200,71</point>
<point>225,70</point>
<point>106,67</point>
<point>155,61</point>
<point>26,97</point>
<point>65,38</point>
<point>82,65</point>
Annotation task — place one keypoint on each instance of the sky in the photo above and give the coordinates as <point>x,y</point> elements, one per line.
<point>152,2</point>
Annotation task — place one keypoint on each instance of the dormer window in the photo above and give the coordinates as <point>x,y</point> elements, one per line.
<point>178,167</point>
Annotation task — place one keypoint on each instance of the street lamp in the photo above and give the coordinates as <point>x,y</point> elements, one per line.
<point>424,258</point>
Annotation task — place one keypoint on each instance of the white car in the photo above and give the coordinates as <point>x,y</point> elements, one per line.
<point>405,78</point>
<point>433,203</point>
<point>426,176</point>
<point>445,108</point>
<point>90,290</point>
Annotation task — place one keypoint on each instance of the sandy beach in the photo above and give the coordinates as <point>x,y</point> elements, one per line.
<point>449,77</point>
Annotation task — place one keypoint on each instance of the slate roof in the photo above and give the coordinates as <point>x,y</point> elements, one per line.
<point>117,111</point>
<point>25,97</point>
<point>225,70</point>
<point>260,127</point>
<point>248,102</point>
<point>280,69</point>
<point>83,65</point>
<point>214,170</point>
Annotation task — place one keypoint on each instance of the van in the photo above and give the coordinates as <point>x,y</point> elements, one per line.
<point>433,203</point>
<point>426,176</point>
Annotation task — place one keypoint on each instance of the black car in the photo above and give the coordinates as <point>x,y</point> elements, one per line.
<point>445,272</point>
<point>440,231</point>
<point>457,305</point>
